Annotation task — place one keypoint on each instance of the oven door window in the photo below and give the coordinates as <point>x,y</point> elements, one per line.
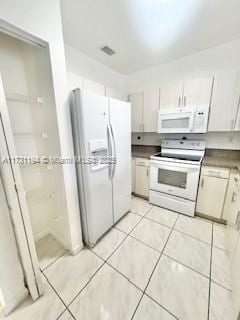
<point>172,178</point>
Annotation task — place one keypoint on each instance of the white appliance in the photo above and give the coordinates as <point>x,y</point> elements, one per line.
<point>183,120</point>
<point>174,175</point>
<point>101,131</point>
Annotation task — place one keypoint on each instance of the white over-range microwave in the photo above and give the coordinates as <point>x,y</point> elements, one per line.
<point>183,120</point>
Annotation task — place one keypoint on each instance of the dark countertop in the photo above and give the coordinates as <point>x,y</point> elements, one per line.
<point>221,162</point>
<point>213,157</point>
<point>146,152</point>
<point>222,158</point>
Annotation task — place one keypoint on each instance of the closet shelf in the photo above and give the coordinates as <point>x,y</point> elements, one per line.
<point>16,97</point>
<point>39,195</point>
<point>42,135</point>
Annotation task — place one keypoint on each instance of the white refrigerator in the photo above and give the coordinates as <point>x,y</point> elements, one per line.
<point>101,130</point>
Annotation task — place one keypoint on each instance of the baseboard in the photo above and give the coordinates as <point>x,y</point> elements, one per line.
<point>76,250</point>
<point>15,301</point>
<point>55,235</point>
<point>73,251</point>
<point>41,235</point>
<point>140,196</point>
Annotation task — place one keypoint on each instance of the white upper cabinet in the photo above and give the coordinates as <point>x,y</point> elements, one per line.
<point>93,86</point>
<point>116,94</point>
<point>136,100</point>
<point>194,92</point>
<point>197,92</point>
<point>225,102</point>
<point>171,96</point>
<point>150,109</point>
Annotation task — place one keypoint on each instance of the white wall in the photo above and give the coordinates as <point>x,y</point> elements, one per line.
<point>86,67</point>
<point>41,20</point>
<point>203,63</point>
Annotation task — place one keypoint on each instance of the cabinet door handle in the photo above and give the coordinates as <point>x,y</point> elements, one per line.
<point>147,172</point>
<point>238,221</point>
<point>202,183</point>
<point>184,100</point>
<point>143,127</point>
<point>179,101</point>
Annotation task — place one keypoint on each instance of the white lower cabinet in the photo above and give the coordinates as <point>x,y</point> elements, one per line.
<point>212,191</point>
<point>232,193</point>
<point>142,177</point>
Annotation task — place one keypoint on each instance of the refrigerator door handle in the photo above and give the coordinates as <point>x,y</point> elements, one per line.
<point>110,139</point>
<point>114,152</point>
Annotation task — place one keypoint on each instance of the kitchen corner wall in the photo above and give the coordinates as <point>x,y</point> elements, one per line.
<point>86,67</point>
<point>201,64</point>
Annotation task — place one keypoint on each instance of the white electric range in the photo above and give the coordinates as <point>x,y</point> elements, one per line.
<point>174,175</point>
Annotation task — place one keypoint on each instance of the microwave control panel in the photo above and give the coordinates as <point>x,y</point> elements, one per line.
<point>201,119</point>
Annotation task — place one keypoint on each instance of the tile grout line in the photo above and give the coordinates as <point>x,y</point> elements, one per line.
<point>65,305</point>
<point>186,234</point>
<point>220,285</point>
<point>186,266</point>
<point>95,273</point>
<point>162,224</point>
<point>58,258</point>
<point>104,262</point>
<point>152,275</point>
<point>174,259</point>
<point>114,268</point>
<point>168,256</point>
<point>210,276</point>
<point>141,218</point>
<point>87,283</point>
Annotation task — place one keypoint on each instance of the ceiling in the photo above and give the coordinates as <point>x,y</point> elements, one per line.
<point>145,33</point>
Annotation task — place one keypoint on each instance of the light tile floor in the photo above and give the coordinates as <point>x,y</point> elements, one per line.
<point>153,265</point>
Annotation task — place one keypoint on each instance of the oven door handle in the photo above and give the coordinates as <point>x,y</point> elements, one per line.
<point>175,165</point>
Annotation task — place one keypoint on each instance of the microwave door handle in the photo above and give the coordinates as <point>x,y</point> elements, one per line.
<point>191,121</point>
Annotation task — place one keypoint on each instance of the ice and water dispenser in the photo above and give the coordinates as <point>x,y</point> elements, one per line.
<point>98,153</point>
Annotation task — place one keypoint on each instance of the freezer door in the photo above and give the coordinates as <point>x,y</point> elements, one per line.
<point>120,122</point>
<point>90,130</point>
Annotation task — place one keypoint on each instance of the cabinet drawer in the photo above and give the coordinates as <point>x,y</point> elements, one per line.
<point>215,172</point>
<point>142,162</point>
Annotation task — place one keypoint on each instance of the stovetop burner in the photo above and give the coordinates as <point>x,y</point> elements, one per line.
<point>196,158</point>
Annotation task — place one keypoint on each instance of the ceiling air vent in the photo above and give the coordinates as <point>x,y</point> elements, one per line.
<point>107,50</point>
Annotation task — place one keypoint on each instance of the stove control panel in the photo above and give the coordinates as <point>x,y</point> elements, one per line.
<point>184,144</point>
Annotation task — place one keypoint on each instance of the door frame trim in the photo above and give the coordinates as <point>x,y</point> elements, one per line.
<point>17,203</point>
